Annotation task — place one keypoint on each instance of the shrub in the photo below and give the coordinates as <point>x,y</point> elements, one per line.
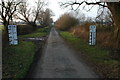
<point>66,21</point>
<point>25,29</point>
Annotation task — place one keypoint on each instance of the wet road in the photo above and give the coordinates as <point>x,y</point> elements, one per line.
<point>58,61</point>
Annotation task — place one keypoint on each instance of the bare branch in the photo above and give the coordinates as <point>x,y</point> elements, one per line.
<point>8,9</point>
<point>80,3</point>
<point>90,8</point>
<point>101,12</point>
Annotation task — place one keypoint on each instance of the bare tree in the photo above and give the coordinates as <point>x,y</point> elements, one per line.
<point>114,8</point>
<point>104,17</point>
<point>30,15</point>
<point>45,17</point>
<point>24,12</point>
<point>40,4</point>
<point>47,20</point>
<point>40,17</point>
<point>81,17</point>
<point>7,10</point>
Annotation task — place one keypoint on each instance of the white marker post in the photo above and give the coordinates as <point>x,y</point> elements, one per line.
<point>92,38</point>
<point>12,30</point>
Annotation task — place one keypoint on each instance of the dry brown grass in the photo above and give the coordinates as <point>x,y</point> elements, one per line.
<point>104,34</point>
<point>80,31</point>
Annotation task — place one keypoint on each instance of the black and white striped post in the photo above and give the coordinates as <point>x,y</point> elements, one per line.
<point>92,37</point>
<point>12,30</point>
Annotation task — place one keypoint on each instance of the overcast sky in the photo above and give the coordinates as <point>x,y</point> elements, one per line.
<point>55,7</point>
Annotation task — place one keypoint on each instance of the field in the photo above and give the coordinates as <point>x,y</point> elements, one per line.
<point>37,33</point>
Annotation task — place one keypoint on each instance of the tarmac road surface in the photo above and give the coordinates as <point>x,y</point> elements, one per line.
<point>58,61</point>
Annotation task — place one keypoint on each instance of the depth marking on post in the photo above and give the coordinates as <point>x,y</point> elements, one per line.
<point>12,30</point>
<point>92,37</point>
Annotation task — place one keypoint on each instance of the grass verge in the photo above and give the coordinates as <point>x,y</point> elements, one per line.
<point>38,33</point>
<point>17,59</point>
<point>103,64</point>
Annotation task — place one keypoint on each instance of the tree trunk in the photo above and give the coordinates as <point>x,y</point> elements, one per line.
<point>5,39</point>
<point>115,10</point>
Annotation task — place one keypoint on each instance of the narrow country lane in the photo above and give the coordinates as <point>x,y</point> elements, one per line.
<point>58,61</point>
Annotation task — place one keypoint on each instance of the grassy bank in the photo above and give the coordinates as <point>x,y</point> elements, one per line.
<point>17,59</point>
<point>98,57</point>
<point>38,33</point>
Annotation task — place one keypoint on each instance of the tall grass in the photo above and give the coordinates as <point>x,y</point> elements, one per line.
<point>104,34</point>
